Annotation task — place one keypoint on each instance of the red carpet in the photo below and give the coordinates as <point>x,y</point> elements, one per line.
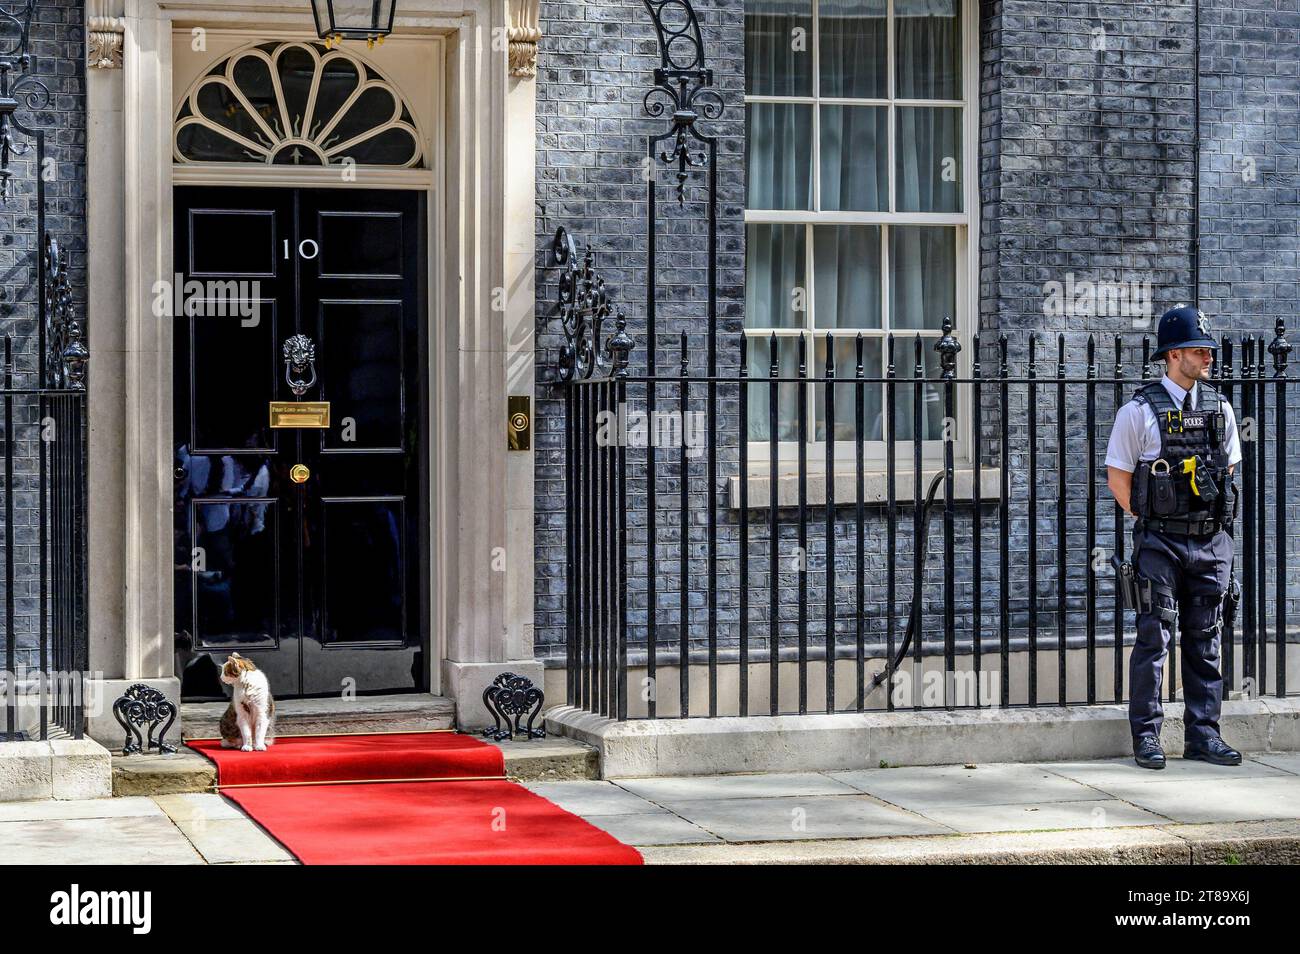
<point>347,758</point>
<point>472,822</point>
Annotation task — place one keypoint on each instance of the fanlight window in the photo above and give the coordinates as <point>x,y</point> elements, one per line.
<point>295,104</point>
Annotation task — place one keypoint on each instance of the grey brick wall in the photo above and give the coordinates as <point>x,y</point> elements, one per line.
<point>58,61</point>
<point>1086,169</point>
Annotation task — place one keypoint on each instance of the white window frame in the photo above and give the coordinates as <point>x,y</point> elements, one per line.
<point>966,258</point>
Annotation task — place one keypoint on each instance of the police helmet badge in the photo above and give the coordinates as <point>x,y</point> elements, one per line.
<point>1203,324</point>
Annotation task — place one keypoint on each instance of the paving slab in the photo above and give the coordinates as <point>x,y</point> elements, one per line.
<point>1100,813</point>
<point>1214,800</point>
<point>79,808</point>
<point>659,828</point>
<point>588,798</point>
<point>1286,761</point>
<point>194,807</point>
<point>134,840</point>
<point>228,840</point>
<point>802,817</point>
<point>664,790</point>
<point>1125,771</point>
<point>919,789</point>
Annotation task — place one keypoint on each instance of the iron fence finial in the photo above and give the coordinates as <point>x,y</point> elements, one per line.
<point>948,346</point>
<point>1279,348</point>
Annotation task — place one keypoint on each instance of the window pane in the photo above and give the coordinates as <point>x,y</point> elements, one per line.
<point>778,147</point>
<point>776,284</point>
<point>922,275</point>
<point>846,366</point>
<point>905,394</point>
<point>846,269</point>
<point>855,158</point>
<point>778,47</point>
<point>853,48</point>
<point>928,153</point>
<point>927,49</point>
<point>760,393</point>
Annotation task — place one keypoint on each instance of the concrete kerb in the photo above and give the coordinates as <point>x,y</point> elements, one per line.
<point>1272,842</point>
<point>59,769</point>
<point>844,741</point>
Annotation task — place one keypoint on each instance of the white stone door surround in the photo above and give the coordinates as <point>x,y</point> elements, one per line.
<point>481,333</point>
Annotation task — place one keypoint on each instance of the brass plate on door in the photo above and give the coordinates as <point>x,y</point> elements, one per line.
<point>300,413</point>
<point>299,473</point>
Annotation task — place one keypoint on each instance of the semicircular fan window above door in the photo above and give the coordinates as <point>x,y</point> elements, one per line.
<point>295,104</point>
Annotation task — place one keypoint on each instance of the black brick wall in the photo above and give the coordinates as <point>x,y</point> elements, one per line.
<point>58,61</point>
<point>1086,168</point>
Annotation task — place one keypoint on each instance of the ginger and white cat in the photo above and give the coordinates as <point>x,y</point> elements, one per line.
<point>248,721</point>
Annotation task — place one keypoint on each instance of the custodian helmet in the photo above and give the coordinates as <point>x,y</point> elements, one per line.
<point>1183,327</point>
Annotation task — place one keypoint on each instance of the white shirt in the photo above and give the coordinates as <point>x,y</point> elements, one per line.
<point>1136,434</point>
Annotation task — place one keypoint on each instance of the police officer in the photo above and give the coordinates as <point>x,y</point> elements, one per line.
<point>1170,463</point>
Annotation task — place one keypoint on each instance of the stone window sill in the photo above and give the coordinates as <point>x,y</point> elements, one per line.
<point>875,487</point>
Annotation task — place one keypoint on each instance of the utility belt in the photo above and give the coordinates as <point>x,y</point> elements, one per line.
<point>1191,528</point>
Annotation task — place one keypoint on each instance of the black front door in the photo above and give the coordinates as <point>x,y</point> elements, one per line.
<point>302,549</point>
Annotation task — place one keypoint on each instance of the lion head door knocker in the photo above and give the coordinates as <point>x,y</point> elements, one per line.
<point>300,374</point>
<point>299,357</point>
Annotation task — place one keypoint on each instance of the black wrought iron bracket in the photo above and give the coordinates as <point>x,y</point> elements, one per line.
<point>17,88</point>
<point>683,88</point>
<point>137,706</point>
<point>508,698</point>
<point>583,308</point>
<point>65,353</point>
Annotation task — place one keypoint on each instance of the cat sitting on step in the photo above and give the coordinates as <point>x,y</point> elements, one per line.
<point>247,723</point>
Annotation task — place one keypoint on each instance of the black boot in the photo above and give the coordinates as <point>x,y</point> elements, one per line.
<point>1148,753</point>
<point>1213,750</point>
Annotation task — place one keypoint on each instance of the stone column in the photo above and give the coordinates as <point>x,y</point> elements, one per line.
<point>128,91</point>
<point>495,581</point>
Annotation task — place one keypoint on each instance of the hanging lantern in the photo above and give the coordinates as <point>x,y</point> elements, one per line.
<point>369,20</point>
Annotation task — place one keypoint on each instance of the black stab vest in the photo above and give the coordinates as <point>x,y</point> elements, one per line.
<point>1183,435</point>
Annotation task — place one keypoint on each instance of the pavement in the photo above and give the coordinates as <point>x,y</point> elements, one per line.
<point>1104,811</point>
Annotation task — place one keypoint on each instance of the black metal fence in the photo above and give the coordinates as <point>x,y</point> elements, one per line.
<point>820,576</point>
<point>43,645</point>
<point>786,559</point>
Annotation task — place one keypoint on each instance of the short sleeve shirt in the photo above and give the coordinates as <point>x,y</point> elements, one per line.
<point>1136,434</point>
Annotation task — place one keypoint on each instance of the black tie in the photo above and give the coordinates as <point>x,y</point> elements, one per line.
<point>1187,403</point>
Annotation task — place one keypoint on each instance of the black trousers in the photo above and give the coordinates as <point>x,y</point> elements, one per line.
<point>1195,572</point>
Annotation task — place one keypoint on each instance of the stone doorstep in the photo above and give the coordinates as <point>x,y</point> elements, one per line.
<point>56,769</point>
<point>537,760</point>
<point>643,748</point>
<point>392,713</point>
<point>1253,842</point>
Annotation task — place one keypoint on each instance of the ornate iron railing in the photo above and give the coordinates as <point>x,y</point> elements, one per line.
<point>701,581</point>
<point>43,643</point>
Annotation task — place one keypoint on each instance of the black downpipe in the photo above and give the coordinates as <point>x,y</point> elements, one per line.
<point>914,614</point>
<point>1196,155</point>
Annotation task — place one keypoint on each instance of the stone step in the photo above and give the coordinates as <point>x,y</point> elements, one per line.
<point>401,712</point>
<point>154,774</point>
<point>537,760</point>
